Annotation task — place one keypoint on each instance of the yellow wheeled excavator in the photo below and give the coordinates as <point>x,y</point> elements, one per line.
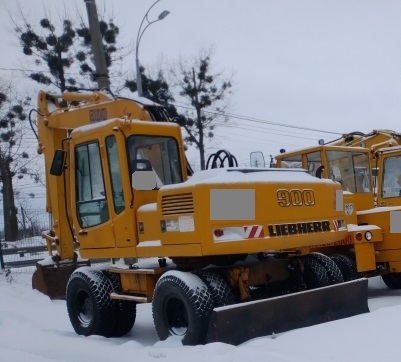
<point>223,254</point>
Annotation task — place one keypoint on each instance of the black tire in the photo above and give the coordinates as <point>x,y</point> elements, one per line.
<point>125,310</point>
<point>88,303</point>
<point>333,271</point>
<point>219,289</point>
<point>182,306</point>
<point>315,275</point>
<point>392,280</point>
<point>346,266</point>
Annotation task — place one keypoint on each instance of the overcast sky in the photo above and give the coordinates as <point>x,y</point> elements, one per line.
<point>327,65</point>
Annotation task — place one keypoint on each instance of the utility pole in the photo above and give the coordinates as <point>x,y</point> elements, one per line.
<point>102,76</point>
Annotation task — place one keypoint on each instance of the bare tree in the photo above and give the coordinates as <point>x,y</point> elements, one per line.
<point>14,154</point>
<point>61,51</point>
<point>208,92</point>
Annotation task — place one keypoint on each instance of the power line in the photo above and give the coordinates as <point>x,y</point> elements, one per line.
<point>258,120</point>
<point>265,130</point>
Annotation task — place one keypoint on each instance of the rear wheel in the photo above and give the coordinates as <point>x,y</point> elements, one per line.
<point>346,266</point>
<point>182,306</point>
<point>333,271</point>
<point>392,280</point>
<point>315,275</point>
<point>219,289</point>
<point>88,303</point>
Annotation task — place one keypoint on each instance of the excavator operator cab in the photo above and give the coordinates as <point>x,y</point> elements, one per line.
<point>115,167</point>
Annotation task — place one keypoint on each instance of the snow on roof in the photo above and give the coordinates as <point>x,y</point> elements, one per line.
<point>117,122</point>
<point>246,175</point>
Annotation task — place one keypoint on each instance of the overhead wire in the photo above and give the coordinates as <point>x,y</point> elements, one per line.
<point>257,120</point>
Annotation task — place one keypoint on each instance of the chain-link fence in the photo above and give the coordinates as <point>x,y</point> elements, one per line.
<point>21,255</point>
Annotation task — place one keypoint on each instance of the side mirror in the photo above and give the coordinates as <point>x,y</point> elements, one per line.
<point>257,159</point>
<point>57,167</point>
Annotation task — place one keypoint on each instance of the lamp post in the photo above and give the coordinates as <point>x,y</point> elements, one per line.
<point>161,16</point>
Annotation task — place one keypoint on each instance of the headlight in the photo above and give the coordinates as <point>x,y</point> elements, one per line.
<point>368,236</point>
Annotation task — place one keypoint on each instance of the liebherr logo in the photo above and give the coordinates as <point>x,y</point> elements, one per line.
<point>298,228</point>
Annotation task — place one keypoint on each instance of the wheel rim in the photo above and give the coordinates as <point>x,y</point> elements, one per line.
<point>85,308</point>
<point>176,316</point>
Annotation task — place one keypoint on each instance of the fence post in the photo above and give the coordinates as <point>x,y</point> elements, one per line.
<point>1,258</point>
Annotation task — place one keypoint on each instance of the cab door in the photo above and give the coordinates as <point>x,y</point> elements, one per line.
<point>91,219</point>
<point>120,193</point>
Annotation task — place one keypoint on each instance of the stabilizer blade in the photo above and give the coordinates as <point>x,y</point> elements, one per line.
<point>242,322</point>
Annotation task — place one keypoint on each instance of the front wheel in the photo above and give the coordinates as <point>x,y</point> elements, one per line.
<point>182,306</point>
<point>88,303</point>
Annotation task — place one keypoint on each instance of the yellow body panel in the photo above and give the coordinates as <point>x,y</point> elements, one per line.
<point>197,228</point>
<point>365,257</point>
<point>395,266</point>
<point>390,243</point>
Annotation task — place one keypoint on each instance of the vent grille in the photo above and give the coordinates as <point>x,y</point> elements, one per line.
<point>178,204</point>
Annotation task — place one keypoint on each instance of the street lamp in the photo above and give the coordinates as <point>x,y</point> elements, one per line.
<point>161,16</point>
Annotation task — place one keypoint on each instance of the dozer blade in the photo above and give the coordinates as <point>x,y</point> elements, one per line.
<point>52,279</point>
<point>242,322</point>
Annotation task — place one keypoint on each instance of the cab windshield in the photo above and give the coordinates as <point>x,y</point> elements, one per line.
<point>349,168</point>
<point>158,154</point>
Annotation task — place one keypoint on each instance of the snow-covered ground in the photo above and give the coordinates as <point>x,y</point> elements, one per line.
<point>33,328</point>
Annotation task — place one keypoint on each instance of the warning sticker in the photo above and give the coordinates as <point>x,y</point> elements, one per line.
<point>186,223</point>
<point>172,225</point>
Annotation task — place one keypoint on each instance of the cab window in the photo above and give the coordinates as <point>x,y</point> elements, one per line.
<point>115,174</point>
<point>90,192</point>
<point>292,162</point>
<point>351,169</point>
<point>314,164</point>
<point>391,183</point>
<point>161,156</point>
